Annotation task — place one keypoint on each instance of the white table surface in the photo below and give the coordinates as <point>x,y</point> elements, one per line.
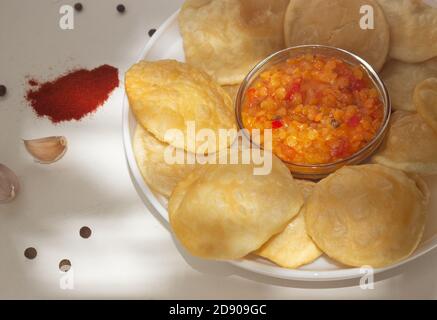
<point>130,254</point>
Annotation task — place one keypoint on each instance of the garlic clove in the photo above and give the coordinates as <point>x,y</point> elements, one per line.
<point>47,150</point>
<point>9,184</point>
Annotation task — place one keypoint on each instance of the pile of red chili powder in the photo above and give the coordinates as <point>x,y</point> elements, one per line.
<point>73,95</point>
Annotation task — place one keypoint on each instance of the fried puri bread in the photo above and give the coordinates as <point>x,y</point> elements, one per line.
<point>401,79</point>
<point>413,29</point>
<point>425,99</point>
<point>166,96</point>
<point>227,212</point>
<point>149,152</point>
<point>367,215</point>
<point>293,247</point>
<point>336,23</point>
<point>410,145</point>
<point>227,38</point>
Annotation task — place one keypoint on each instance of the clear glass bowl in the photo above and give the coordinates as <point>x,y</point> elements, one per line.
<point>318,171</point>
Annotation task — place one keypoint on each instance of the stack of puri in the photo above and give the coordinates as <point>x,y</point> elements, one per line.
<point>372,214</point>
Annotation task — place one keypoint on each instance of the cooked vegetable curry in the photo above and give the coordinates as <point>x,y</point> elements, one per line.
<point>320,109</point>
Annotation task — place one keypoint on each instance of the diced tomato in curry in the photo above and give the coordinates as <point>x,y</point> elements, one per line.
<point>320,109</point>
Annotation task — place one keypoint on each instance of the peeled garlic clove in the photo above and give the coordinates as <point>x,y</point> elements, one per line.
<point>47,150</point>
<point>9,184</point>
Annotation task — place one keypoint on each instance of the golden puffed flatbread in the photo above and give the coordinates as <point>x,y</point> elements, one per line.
<point>425,100</point>
<point>306,187</point>
<point>367,215</point>
<point>158,174</point>
<point>410,145</point>
<point>401,78</point>
<point>227,212</point>
<point>336,23</point>
<point>164,95</point>
<point>293,247</point>
<point>227,38</point>
<point>413,29</point>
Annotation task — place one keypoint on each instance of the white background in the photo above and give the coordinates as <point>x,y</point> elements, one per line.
<point>130,255</point>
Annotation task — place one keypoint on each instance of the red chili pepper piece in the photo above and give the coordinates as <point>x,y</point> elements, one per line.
<point>276,124</point>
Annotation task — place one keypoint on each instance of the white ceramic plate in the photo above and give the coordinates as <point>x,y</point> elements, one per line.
<point>167,44</point>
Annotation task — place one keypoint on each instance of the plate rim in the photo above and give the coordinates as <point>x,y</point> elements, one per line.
<point>156,208</point>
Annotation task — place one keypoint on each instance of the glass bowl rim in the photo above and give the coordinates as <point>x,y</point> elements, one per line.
<point>381,87</point>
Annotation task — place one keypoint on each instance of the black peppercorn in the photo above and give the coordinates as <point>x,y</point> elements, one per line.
<point>30,253</point>
<point>78,7</point>
<point>65,265</point>
<point>3,90</point>
<point>121,8</point>
<point>152,32</point>
<point>85,232</point>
